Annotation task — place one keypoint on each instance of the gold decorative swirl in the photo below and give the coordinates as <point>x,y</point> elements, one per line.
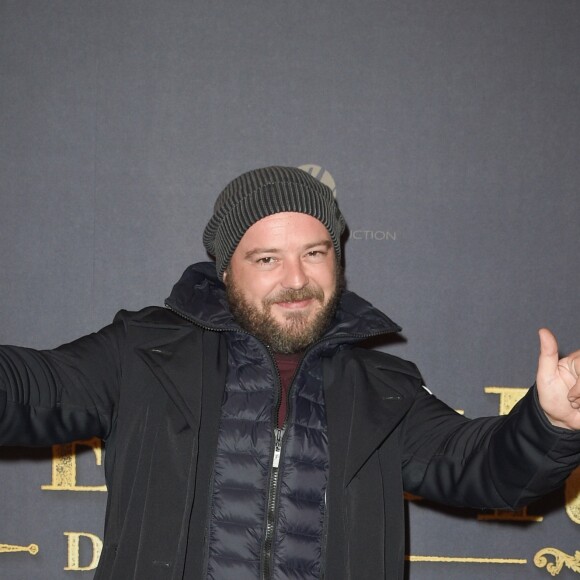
<point>561,559</point>
<point>9,548</point>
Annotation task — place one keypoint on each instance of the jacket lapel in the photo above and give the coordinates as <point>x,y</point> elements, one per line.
<point>363,406</point>
<point>178,366</point>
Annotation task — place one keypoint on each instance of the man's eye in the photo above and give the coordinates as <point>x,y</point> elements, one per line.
<point>266,260</point>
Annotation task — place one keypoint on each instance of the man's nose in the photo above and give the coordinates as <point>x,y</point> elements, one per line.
<point>294,275</point>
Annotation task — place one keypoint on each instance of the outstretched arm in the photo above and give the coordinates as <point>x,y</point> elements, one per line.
<point>59,395</point>
<point>558,382</point>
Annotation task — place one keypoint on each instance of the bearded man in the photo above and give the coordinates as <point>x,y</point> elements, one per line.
<point>250,436</point>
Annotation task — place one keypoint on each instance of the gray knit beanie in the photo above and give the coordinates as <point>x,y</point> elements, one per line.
<point>263,192</point>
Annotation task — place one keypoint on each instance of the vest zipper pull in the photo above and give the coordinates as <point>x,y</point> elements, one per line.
<point>278,433</point>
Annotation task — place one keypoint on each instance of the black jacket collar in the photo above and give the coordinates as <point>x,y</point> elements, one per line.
<point>200,297</point>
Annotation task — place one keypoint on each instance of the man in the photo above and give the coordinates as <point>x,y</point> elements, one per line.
<point>247,434</point>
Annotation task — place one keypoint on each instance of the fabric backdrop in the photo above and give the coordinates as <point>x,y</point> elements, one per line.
<point>450,131</point>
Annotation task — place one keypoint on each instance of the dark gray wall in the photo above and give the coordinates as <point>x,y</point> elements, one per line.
<point>452,132</point>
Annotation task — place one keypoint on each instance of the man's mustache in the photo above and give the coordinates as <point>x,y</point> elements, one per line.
<point>291,295</point>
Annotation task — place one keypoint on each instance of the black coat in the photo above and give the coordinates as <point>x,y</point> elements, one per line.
<point>151,385</point>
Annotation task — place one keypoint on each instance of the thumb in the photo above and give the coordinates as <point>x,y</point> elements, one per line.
<point>548,361</point>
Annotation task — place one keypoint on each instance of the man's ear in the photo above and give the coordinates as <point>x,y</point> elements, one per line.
<point>224,276</point>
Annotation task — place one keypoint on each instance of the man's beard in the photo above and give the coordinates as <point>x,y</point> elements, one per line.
<point>299,331</point>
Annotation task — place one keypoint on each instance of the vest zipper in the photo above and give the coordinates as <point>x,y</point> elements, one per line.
<point>271,511</point>
<point>274,481</point>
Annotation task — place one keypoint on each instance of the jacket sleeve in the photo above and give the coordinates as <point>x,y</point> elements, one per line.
<point>54,396</point>
<point>494,462</point>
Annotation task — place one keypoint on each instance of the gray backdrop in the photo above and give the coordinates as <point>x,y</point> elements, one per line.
<point>450,128</point>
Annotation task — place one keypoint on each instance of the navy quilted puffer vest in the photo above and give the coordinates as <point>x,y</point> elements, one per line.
<point>265,521</point>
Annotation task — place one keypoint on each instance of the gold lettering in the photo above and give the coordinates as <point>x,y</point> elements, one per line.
<point>74,550</point>
<point>463,560</point>
<point>64,466</point>
<point>573,496</point>
<point>508,397</point>
<point>10,548</point>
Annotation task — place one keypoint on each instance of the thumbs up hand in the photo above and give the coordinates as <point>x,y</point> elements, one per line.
<point>558,383</point>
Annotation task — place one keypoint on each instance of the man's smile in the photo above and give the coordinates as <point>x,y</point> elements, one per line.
<point>295,304</point>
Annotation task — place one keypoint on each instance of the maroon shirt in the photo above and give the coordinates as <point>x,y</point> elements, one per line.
<point>287,365</point>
